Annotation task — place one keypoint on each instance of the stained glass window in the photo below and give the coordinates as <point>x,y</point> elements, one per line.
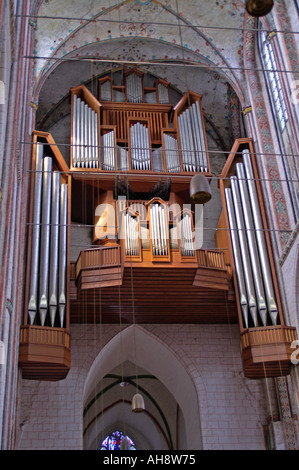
<point>272,73</point>
<point>113,441</point>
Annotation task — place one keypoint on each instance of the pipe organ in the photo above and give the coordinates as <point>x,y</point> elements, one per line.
<point>128,129</point>
<point>44,336</point>
<point>265,339</point>
<point>250,251</point>
<point>127,150</point>
<point>47,288</point>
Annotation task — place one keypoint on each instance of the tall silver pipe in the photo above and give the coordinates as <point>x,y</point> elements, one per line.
<point>75,117</point>
<point>96,141</point>
<point>62,253</point>
<point>202,137</point>
<point>195,131</point>
<point>253,250</point>
<point>78,133</point>
<point>82,114</point>
<point>54,247</point>
<point>244,251</point>
<point>183,142</point>
<point>260,236</point>
<point>35,243</point>
<point>45,239</point>
<point>237,255</point>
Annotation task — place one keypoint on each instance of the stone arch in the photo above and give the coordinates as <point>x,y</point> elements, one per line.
<point>163,364</point>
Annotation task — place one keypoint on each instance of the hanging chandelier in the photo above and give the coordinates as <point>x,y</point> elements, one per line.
<point>259,8</point>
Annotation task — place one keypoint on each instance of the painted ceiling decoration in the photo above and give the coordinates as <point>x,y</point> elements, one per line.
<point>193,45</point>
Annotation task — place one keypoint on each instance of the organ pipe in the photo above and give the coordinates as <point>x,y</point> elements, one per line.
<point>45,239</point>
<point>47,277</point>
<point>260,236</point>
<point>252,246</point>
<point>54,248</point>
<point>244,250</point>
<point>237,255</point>
<point>191,133</point>
<point>140,147</point>
<point>34,265</point>
<point>159,233</point>
<point>253,272</point>
<point>62,253</point>
<point>186,236</point>
<point>85,135</point>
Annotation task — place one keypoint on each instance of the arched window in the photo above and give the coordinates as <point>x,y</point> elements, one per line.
<point>273,78</point>
<point>280,104</point>
<point>113,442</point>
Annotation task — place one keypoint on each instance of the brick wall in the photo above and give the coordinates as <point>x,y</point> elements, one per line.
<point>232,408</point>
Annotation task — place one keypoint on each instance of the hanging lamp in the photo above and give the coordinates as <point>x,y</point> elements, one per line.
<point>259,8</point>
<point>138,403</point>
<point>200,191</point>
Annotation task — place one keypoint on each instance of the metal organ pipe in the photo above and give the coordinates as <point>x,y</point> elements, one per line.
<point>192,139</point>
<point>237,255</point>
<point>250,248</point>
<point>45,239</point>
<point>253,251</point>
<point>134,88</point>
<point>140,151</point>
<point>54,247</point>
<point>85,135</point>
<point>62,253</point>
<point>186,236</point>
<point>260,236</point>
<point>244,251</point>
<point>47,284</point>
<point>132,241</point>
<point>158,230</point>
<point>108,151</point>
<point>163,94</point>
<point>35,244</point>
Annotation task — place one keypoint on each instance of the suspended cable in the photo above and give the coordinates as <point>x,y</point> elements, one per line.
<point>172,62</point>
<point>158,23</point>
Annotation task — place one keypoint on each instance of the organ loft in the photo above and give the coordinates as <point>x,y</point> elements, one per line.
<point>133,159</point>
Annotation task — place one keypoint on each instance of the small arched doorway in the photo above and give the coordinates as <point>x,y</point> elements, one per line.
<point>134,358</point>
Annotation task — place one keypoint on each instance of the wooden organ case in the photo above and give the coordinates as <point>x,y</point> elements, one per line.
<point>266,341</point>
<point>132,157</point>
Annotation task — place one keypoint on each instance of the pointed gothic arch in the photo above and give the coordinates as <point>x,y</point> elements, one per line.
<point>148,353</point>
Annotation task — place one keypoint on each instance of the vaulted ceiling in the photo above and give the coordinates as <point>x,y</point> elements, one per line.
<point>196,45</point>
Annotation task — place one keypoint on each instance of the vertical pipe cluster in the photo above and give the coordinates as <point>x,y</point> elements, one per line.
<point>47,282</point>
<point>194,152</point>
<point>122,158</point>
<point>186,236</point>
<point>108,151</point>
<point>134,88</point>
<point>163,94</point>
<point>140,147</point>
<point>131,235</point>
<point>106,91</point>
<point>253,272</point>
<point>171,154</point>
<point>157,160</point>
<point>159,232</point>
<point>85,150</point>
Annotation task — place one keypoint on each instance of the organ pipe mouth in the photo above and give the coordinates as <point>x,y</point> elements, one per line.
<point>259,8</point>
<point>200,191</point>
